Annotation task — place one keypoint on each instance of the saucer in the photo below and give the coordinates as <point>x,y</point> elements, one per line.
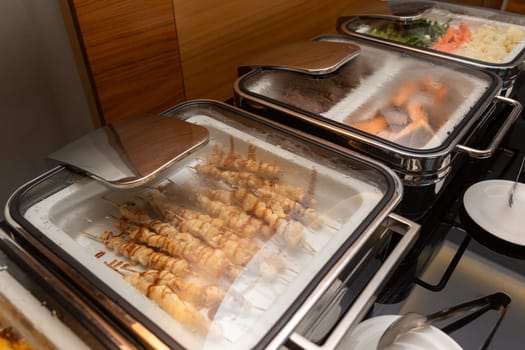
<point>487,204</point>
<point>366,336</point>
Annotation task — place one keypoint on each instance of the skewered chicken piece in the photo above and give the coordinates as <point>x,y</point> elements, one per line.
<point>309,216</point>
<point>238,249</point>
<point>244,199</point>
<point>186,246</point>
<point>268,269</point>
<point>262,200</point>
<point>243,224</point>
<point>201,296</point>
<point>145,256</point>
<point>230,177</point>
<point>234,161</point>
<point>182,311</point>
<point>240,179</point>
<point>173,211</point>
<point>132,212</point>
<point>289,231</point>
<point>240,221</point>
<point>233,246</point>
<point>249,203</point>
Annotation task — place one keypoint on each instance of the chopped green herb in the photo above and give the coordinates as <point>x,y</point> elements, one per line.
<point>419,33</point>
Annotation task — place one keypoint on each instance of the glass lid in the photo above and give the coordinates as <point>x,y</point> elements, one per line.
<point>482,35</point>
<point>402,100</point>
<point>225,247</point>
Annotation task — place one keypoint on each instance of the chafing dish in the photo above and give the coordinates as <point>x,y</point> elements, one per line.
<point>479,37</point>
<point>416,114</point>
<point>270,298</point>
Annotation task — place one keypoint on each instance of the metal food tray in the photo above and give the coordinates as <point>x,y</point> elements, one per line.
<point>351,206</point>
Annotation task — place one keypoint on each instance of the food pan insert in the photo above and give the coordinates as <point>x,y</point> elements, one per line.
<point>261,222</point>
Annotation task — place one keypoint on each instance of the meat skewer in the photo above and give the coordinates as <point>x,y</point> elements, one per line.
<point>263,199</point>
<point>143,255</point>
<point>289,231</point>
<point>186,246</point>
<point>239,250</point>
<point>234,161</point>
<point>268,268</point>
<point>243,224</point>
<point>231,177</point>
<point>309,216</point>
<point>162,295</point>
<point>240,179</point>
<point>201,296</point>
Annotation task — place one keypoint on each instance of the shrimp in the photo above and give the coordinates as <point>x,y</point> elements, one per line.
<point>419,119</point>
<point>372,126</point>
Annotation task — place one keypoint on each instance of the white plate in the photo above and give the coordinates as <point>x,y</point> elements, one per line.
<point>366,335</point>
<point>487,203</point>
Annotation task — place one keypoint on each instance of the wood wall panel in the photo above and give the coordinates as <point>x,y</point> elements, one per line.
<point>216,36</point>
<point>131,52</point>
<point>517,6</point>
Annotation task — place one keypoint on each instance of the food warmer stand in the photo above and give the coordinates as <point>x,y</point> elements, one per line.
<point>323,255</point>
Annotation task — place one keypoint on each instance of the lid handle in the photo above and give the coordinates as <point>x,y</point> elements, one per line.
<point>132,151</point>
<point>500,134</point>
<point>310,57</point>
<point>367,297</point>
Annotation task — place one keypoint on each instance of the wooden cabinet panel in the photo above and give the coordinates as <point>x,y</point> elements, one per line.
<point>131,52</point>
<point>216,36</point>
<point>517,6</point>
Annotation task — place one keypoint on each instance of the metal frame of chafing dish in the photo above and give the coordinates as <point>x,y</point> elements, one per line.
<point>508,72</point>
<point>368,295</point>
<point>77,307</point>
<point>145,331</point>
<point>415,167</point>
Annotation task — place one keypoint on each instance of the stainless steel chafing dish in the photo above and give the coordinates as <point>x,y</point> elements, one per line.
<point>414,113</point>
<point>494,40</point>
<point>39,311</point>
<point>298,269</point>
